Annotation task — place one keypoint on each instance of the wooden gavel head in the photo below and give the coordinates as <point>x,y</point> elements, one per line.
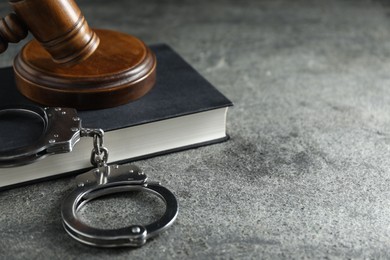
<point>69,64</point>
<point>59,26</point>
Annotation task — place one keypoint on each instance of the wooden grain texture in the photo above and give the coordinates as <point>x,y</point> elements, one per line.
<point>122,69</point>
<point>60,27</point>
<point>68,64</point>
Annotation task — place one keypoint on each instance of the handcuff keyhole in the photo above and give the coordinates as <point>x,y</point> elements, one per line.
<point>19,129</point>
<point>122,210</point>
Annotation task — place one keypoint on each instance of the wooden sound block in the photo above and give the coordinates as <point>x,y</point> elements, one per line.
<point>122,69</point>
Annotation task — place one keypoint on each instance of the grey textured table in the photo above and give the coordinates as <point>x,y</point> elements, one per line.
<point>306,172</point>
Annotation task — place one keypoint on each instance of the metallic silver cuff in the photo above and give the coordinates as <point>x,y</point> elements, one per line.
<point>109,180</point>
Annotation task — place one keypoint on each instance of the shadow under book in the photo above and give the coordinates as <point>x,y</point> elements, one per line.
<point>182,111</point>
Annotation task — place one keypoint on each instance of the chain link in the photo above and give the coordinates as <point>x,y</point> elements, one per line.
<point>99,154</point>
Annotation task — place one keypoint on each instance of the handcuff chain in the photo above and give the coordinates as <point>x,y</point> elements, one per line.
<point>99,154</point>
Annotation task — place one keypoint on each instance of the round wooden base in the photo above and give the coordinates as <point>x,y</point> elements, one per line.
<point>122,69</point>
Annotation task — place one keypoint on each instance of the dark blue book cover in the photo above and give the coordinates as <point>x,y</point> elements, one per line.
<point>180,92</point>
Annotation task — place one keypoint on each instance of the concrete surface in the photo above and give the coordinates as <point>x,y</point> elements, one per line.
<point>306,172</point>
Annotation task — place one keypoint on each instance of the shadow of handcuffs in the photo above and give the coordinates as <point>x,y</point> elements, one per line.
<point>61,131</point>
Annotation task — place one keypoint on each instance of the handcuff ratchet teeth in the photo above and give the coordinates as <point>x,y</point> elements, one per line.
<point>61,131</point>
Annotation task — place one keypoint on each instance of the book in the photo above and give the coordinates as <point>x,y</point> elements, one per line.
<point>182,111</point>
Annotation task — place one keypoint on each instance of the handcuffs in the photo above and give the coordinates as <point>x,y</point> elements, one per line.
<point>61,131</point>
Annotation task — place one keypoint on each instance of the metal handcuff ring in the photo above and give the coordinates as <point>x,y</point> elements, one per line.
<point>109,180</point>
<point>62,130</point>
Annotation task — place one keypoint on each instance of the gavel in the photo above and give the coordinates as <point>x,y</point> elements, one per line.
<point>69,64</point>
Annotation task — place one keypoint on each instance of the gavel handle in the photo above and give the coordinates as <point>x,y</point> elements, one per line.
<point>12,29</point>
